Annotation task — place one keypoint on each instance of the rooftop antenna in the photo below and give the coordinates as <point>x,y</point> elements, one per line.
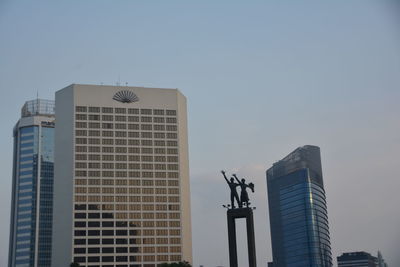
<point>118,83</point>
<point>37,102</point>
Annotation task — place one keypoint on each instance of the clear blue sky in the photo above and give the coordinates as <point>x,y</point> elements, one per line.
<point>261,78</point>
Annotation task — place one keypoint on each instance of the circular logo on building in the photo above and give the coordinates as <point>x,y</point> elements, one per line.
<point>125,96</point>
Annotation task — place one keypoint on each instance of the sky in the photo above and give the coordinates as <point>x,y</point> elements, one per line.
<point>261,79</point>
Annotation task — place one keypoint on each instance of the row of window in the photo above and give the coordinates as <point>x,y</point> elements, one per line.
<point>81,127</point>
<point>131,249</point>
<point>124,142</point>
<point>124,126</point>
<point>149,199</point>
<point>135,224</point>
<point>108,157</point>
<point>124,241</point>
<point>117,233</point>
<point>131,215</point>
<point>133,182</point>
<point>145,258</point>
<point>122,174</point>
<point>122,165</point>
<point>143,111</point>
<point>124,190</point>
<point>95,117</point>
<point>131,150</point>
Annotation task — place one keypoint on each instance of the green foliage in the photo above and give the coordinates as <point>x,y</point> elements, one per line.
<point>176,264</point>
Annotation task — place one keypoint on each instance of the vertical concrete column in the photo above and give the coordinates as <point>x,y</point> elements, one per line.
<point>232,215</point>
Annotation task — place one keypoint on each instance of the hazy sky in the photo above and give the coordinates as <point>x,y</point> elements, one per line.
<point>261,79</point>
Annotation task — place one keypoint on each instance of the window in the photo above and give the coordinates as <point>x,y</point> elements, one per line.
<point>133,110</point>
<point>147,142</point>
<point>171,120</point>
<point>80,117</point>
<point>95,125</point>
<point>171,112</point>
<point>172,136</point>
<point>172,143</point>
<point>133,126</point>
<point>146,119</point>
<point>121,142</point>
<point>93,141</point>
<point>146,134</point>
<point>80,124</point>
<point>80,109</point>
<point>120,126</point>
<point>120,118</point>
<point>133,134</point>
<point>107,126</point>
<point>133,118</point>
<point>159,135</point>
<point>107,118</point>
<point>108,141</point>
<point>120,110</point>
<point>159,127</point>
<point>107,110</point>
<point>94,117</point>
<point>120,134</point>
<point>94,149</point>
<point>147,127</point>
<point>81,133</point>
<point>135,150</point>
<point>94,133</point>
<point>158,112</point>
<point>158,119</point>
<point>171,128</point>
<point>133,142</point>
<point>108,134</point>
<point>120,149</point>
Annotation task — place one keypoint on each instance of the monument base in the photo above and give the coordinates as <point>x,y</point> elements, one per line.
<point>232,215</point>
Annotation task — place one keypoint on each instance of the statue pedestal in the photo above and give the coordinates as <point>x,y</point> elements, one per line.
<point>232,215</point>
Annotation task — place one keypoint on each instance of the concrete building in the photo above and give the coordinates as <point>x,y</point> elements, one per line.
<point>32,186</point>
<point>297,210</point>
<point>121,189</point>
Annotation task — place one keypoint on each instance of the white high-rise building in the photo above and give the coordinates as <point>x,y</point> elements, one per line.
<point>121,185</point>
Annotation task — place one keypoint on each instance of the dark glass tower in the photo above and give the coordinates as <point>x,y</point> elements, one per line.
<point>32,186</point>
<point>297,210</point>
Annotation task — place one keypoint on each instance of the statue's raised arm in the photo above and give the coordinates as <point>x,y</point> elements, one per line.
<point>237,179</point>
<point>226,179</point>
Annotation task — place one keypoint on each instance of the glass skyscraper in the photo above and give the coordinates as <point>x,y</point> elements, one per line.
<point>298,211</point>
<point>32,186</point>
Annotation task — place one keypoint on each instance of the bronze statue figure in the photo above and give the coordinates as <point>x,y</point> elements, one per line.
<point>244,197</point>
<point>234,194</point>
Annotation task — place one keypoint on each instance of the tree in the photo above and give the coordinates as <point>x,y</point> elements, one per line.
<point>176,264</point>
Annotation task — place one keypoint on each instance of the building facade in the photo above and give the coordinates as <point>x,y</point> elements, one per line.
<point>360,259</point>
<point>298,211</point>
<point>122,195</point>
<point>32,186</point>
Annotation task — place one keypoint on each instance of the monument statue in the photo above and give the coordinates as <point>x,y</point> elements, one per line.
<point>234,194</point>
<point>243,211</point>
<point>244,197</point>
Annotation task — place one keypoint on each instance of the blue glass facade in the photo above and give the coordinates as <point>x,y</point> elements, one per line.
<point>32,195</point>
<point>298,211</point>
